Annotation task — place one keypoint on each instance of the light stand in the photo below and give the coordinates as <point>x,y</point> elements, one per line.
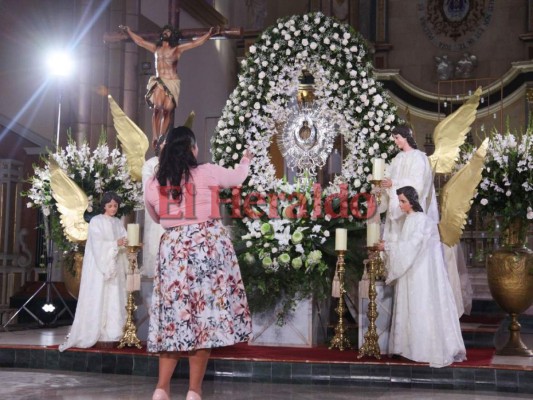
<point>48,284</point>
<point>59,65</point>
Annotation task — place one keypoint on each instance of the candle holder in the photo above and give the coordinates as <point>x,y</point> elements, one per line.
<point>377,183</point>
<point>376,269</point>
<point>129,338</point>
<point>340,340</point>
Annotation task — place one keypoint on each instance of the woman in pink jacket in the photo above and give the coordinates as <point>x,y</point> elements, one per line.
<point>198,300</point>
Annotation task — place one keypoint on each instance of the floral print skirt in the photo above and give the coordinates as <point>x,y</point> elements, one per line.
<point>198,300</point>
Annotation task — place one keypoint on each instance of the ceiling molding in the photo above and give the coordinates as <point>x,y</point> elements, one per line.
<point>203,12</point>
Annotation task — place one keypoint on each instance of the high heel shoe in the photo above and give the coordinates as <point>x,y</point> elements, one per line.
<point>160,394</point>
<point>193,396</point>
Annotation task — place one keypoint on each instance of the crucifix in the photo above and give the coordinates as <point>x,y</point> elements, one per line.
<point>167,47</point>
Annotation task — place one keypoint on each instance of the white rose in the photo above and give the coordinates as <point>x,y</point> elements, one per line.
<point>484,202</point>
<point>257,106</point>
<point>313,45</point>
<point>252,49</point>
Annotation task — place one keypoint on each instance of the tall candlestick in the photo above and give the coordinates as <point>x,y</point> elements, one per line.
<point>133,234</point>
<point>378,169</point>
<point>372,234</point>
<point>341,239</point>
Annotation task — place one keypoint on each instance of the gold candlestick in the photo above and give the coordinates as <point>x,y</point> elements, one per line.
<point>377,183</point>
<point>370,345</point>
<point>340,340</point>
<point>129,338</point>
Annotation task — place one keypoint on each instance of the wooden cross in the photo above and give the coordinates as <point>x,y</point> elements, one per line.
<point>173,19</point>
<point>164,82</point>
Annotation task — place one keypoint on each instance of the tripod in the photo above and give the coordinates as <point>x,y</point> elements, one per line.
<point>48,285</point>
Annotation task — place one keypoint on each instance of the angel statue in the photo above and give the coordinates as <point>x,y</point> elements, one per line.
<point>412,167</point>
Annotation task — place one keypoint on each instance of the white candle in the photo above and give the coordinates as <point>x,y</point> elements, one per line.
<point>133,234</point>
<point>341,238</point>
<point>378,169</point>
<point>372,234</point>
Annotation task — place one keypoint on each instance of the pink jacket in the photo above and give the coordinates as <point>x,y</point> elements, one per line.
<point>201,194</point>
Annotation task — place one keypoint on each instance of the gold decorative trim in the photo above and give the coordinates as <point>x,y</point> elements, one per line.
<point>516,69</point>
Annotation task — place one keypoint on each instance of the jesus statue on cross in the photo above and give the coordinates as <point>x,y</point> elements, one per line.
<point>163,89</point>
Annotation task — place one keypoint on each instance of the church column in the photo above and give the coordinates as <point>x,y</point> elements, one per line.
<point>92,65</point>
<point>381,46</point>
<point>527,37</point>
<point>130,69</point>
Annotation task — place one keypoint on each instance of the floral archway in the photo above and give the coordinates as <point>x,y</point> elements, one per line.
<point>359,109</point>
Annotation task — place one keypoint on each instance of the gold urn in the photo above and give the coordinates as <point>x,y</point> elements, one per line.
<point>510,278</point>
<point>72,274</point>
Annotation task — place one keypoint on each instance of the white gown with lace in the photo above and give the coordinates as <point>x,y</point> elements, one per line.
<point>425,326</point>
<point>100,313</point>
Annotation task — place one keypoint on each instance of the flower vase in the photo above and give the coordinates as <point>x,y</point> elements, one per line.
<point>72,270</point>
<point>511,282</point>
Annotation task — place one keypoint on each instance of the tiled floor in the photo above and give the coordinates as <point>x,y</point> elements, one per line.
<point>29,384</point>
<point>23,384</point>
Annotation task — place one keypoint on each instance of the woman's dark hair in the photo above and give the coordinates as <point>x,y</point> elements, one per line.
<point>412,197</point>
<point>107,197</point>
<point>407,133</point>
<point>177,160</point>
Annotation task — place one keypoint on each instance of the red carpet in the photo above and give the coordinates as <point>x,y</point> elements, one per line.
<point>476,357</point>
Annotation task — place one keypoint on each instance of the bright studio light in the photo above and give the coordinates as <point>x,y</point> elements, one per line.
<point>59,63</point>
<point>49,307</point>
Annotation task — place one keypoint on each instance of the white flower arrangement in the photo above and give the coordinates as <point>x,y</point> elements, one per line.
<point>506,188</point>
<point>95,172</point>
<point>348,97</point>
<point>338,59</point>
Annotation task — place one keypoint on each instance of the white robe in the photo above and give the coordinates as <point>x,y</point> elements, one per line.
<point>412,168</point>
<point>408,168</point>
<point>425,326</point>
<point>152,230</point>
<point>100,313</point>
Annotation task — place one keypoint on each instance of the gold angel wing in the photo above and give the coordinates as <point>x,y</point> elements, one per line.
<point>457,196</point>
<point>450,134</point>
<point>71,203</point>
<point>134,141</point>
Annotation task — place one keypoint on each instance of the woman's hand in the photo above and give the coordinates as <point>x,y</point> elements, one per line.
<point>381,245</point>
<point>386,183</point>
<point>122,242</point>
<point>248,154</point>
